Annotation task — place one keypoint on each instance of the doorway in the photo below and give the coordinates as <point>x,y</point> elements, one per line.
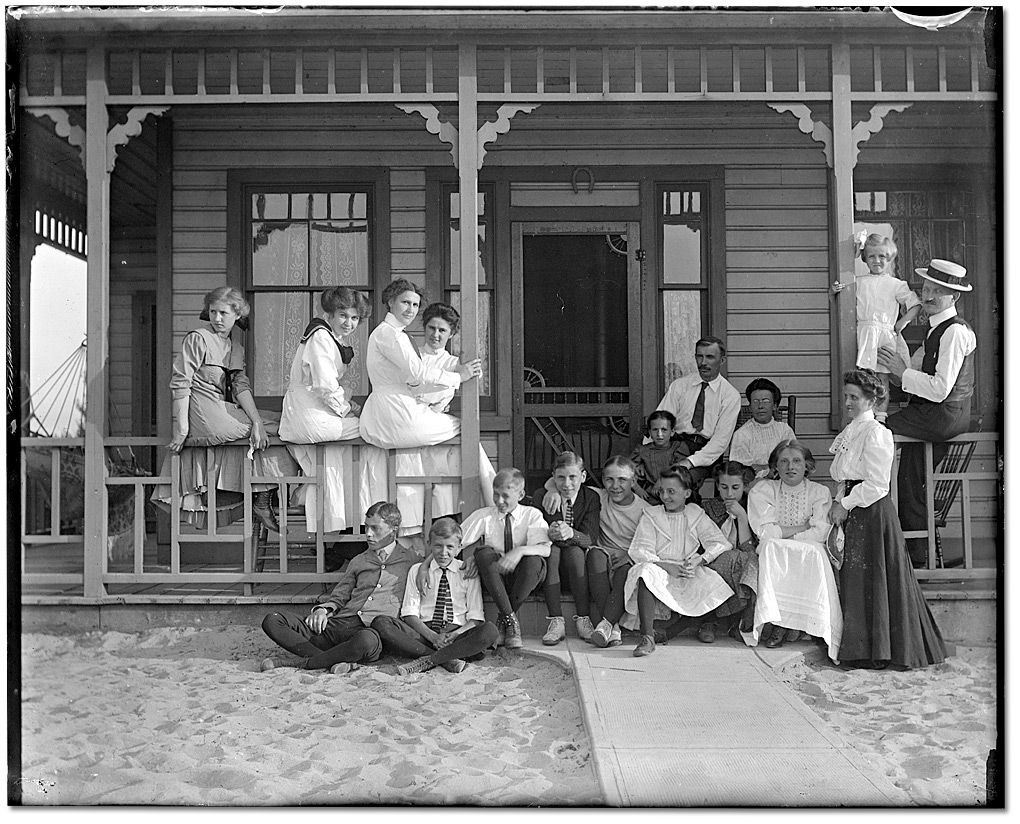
<point>576,289</point>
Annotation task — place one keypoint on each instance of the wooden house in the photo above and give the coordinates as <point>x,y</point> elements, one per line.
<point>595,190</point>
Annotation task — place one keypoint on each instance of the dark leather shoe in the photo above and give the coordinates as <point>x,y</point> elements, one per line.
<point>776,639</point>
<point>262,509</point>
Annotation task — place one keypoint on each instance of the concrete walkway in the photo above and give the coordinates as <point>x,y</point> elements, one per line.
<point>694,725</point>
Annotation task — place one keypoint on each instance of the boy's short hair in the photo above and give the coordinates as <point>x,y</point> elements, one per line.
<point>796,446</point>
<point>445,528</point>
<point>759,384</point>
<point>622,461</point>
<point>568,459</point>
<point>511,476</point>
<point>681,473</point>
<point>661,415</point>
<point>878,241</point>
<point>387,512</point>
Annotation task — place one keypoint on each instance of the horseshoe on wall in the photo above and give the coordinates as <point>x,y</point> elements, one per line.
<point>591,178</point>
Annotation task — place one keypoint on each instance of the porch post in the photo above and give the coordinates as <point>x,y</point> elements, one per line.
<point>843,316</point>
<point>467,140</point>
<point>97,304</point>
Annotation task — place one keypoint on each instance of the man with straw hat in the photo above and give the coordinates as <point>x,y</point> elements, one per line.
<point>940,382</point>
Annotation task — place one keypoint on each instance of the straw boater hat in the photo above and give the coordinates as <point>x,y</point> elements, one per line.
<point>946,273</point>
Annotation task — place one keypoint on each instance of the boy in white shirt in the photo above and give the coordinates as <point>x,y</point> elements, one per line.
<point>509,543</point>
<point>446,626</point>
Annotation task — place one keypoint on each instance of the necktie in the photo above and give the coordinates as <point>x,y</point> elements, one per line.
<point>568,513</point>
<point>508,533</point>
<point>442,613</point>
<point>698,419</point>
<point>414,344</point>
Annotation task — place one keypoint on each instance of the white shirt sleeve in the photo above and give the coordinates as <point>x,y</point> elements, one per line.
<point>319,368</point>
<point>642,548</point>
<point>473,527</point>
<point>412,598</point>
<point>762,514</point>
<point>475,609</point>
<point>396,347</point>
<point>729,408</point>
<point>709,535</point>
<point>957,342</point>
<point>876,462</point>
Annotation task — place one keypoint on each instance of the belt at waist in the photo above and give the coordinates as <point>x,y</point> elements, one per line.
<point>849,485</point>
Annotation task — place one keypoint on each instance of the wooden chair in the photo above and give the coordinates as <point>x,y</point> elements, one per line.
<point>593,441</point>
<point>956,460</point>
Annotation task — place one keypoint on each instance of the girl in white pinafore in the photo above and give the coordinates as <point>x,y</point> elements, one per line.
<point>316,409</point>
<point>668,563</point>
<point>796,582</point>
<point>393,418</point>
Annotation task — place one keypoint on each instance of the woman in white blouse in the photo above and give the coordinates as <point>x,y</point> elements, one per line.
<point>885,616</point>
<point>317,408</point>
<point>796,583</point>
<point>394,418</point>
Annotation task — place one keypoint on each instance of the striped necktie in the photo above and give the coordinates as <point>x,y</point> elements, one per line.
<point>442,613</point>
<point>568,513</point>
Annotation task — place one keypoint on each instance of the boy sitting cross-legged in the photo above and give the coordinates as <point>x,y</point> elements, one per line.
<point>509,544</point>
<point>336,634</point>
<point>446,626</point>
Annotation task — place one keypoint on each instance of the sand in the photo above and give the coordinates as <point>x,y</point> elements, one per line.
<point>929,730</point>
<point>183,716</point>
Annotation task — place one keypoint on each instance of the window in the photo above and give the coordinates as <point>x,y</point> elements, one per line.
<point>301,240</point>
<point>451,281</point>
<point>683,286</point>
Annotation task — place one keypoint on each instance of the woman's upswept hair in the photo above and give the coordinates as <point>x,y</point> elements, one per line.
<point>343,297</point>
<point>398,287</point>
<point>797,446</point>
<point>868,382</point>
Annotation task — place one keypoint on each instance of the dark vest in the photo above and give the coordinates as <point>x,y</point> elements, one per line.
<point>964,386</point>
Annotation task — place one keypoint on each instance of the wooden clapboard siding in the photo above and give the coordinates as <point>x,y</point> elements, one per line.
<point>407,223</point>
<point>777,269</point>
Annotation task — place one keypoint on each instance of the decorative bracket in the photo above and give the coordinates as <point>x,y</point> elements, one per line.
<point>447,131</point>
<point>819,132</point>
<point>75,135</point>
<point>489,131</point>
<point>120,134</point>
<point>873,125</point>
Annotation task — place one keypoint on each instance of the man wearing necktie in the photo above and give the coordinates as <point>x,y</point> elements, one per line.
<point>706,406</point>
<point>940,382</point>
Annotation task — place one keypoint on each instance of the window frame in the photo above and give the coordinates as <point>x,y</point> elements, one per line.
<point>240,184</point>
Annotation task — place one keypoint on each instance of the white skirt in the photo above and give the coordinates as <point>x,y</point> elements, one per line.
<point>687,596</point>
<point>797,590</point>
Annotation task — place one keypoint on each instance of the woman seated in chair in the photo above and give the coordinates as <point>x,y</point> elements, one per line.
<point>318,409</point>
<point>753,442</point>
<point>213,405</point>
<point>394,417</point>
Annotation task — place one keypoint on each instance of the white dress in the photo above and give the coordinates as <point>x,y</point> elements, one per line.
<point>393,418</point>
<point>316,410</point>
<point>879,298</point>
<point>675,537</point>
<point>796,583</point>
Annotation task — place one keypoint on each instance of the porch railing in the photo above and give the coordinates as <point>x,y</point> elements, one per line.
<point>243,533</point>
<point>966,477</point>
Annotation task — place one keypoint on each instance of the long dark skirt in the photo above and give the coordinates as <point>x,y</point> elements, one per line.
<point>885,616</point>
